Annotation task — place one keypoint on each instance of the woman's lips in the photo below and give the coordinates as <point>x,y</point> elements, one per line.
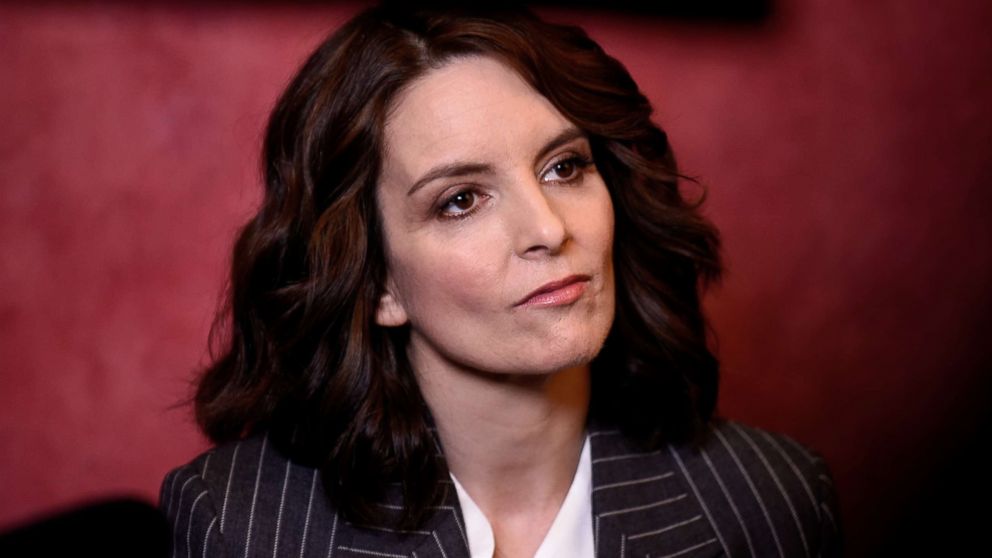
<point>557,293</point>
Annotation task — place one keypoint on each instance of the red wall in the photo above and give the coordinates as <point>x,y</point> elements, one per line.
<point>845,146</point>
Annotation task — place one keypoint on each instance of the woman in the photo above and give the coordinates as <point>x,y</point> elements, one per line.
<point>465,321</point>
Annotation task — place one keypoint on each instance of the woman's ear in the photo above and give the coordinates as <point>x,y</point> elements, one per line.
<point>390,312</point>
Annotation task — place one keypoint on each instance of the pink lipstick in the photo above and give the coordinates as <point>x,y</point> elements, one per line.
<point>557,293</point>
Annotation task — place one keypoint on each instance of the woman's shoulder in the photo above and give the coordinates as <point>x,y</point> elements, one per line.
<point>735,445</point>
<point>245,495</point>
<point>222,464</point>
<point>771,490</point>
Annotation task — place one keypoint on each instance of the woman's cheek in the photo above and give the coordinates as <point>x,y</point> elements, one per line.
<point>444,279</point>
<point>472,284</point>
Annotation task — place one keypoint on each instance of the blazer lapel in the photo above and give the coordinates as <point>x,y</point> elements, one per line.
<point>442,536</point>
<point>447,526</point>
<point>641,504</point>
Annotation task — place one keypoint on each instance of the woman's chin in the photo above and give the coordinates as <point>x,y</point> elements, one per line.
<point>553,358</point>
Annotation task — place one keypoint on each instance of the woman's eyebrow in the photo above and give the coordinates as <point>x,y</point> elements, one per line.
<point>568,134</point>
<point>462,169</point>
<point>449,170</point>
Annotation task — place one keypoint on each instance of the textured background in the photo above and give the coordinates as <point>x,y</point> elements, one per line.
<point>845,146</point>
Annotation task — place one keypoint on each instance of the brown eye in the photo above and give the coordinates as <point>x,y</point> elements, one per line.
<point>460,204</point>
<point>565,169</point>
<point>463,200</point>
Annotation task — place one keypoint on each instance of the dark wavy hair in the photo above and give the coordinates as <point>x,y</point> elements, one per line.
<point>300,354</point>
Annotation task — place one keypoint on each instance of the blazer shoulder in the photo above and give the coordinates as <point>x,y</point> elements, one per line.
<point>256,501</point>
<point>756,448</point>
<point>776,494</point>
<point>190,505</point>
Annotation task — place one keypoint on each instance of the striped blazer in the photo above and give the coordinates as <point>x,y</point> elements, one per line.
<point>742,492</point>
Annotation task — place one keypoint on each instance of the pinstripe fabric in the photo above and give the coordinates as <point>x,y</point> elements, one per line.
<point>742,492</point>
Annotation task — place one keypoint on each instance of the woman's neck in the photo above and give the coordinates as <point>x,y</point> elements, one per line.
<point>512,441</point>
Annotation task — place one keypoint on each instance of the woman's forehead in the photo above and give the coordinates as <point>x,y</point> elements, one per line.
<point>469,108</point>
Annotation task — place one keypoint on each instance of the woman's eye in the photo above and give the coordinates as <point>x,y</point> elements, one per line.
<point>567,170</point>
<point>460,204</point>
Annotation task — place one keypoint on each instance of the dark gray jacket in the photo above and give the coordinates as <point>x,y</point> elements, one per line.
<point>743,492</point>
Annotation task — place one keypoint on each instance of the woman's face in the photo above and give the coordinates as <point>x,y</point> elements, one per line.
<point>488,195</point>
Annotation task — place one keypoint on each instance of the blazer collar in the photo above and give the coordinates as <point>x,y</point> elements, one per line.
<point>640,503</point>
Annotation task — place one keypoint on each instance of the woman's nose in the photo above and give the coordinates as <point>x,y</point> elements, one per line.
<point>539,225</point>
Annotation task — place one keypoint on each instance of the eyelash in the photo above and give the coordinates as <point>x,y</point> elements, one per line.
<point>581,163</point>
